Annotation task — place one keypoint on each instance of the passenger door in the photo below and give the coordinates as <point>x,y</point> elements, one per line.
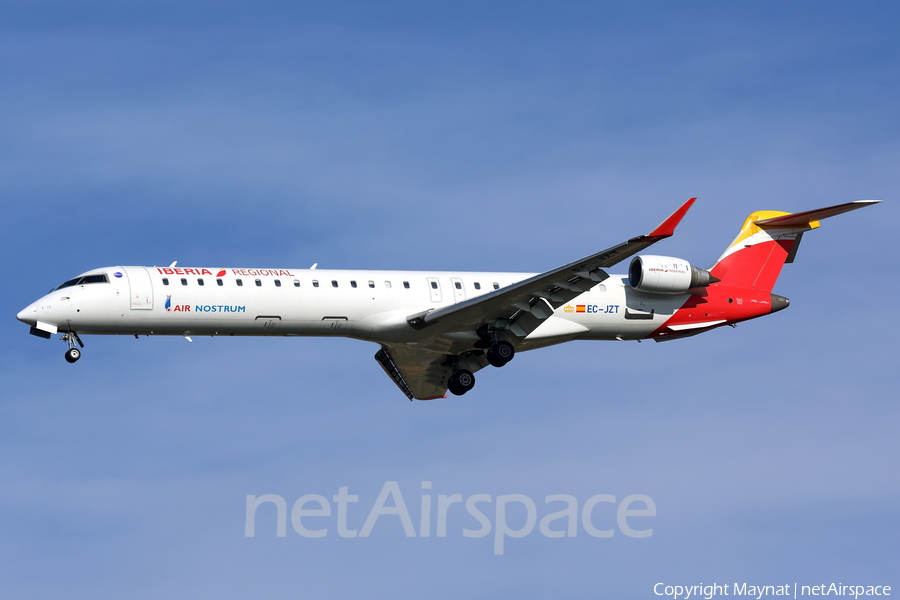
<point>434,286</point>
<point>141,288</point>
<point>459,290</point>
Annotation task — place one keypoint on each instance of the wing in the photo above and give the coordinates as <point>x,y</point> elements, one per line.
<point>419,373</point>
<point>455,336</point>
<point>519,308</point>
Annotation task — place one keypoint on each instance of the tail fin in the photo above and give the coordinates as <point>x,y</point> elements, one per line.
<point>768,240</point>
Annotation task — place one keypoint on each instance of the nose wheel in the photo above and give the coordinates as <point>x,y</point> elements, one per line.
<point>461,382</point>
<point>73,353</point>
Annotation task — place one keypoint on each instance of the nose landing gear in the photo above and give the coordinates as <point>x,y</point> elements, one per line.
<point>73,353</point>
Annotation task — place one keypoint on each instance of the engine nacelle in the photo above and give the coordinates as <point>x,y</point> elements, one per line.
<point>666,275</point>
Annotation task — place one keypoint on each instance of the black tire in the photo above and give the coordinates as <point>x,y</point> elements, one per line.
<point>465,379</point>
<point>501,353</point>
<point>461,382</point>
<point>73,354</point>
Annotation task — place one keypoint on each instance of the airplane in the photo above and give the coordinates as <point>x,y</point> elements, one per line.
<point>436,329</point>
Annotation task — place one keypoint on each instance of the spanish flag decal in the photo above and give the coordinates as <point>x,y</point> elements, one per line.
<point>580,308</point>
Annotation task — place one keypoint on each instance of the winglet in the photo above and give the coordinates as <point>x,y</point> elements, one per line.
<point>667,227</point>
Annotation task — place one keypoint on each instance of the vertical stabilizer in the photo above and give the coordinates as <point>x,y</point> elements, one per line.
<point>755,257</point>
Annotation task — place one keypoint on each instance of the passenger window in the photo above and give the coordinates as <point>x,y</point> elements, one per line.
<point>496,286</point>
<point>296,283</point>
<point>258,283</point>
<point>434,285</point>
<point>477,286</point>
<point>387,284</point>
<point>165,281</point>
<point>219,282</point>
<point>183,281</point>
<point>371,284</point>
<point>458,285</point>
<point>277,283</point>
<point>199,281</point>
<point>334,283</point>
<point>240,282</point>
<point>406,284</point>
<point>315,283</point>
<point>352,284</point>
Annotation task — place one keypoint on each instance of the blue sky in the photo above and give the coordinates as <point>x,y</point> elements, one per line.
<point>465,136</point>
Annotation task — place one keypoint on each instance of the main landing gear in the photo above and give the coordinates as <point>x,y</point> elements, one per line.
<point>461,382</point>
<point>73,353</point>
<point>500,353</point>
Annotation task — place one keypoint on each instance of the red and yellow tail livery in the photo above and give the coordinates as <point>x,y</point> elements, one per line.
<point>747,271</point>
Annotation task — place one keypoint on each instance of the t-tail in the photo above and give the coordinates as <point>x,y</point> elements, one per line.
<point>739,285</point>
<point>768,240</point>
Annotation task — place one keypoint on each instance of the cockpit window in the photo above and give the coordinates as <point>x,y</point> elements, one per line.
<point>69,283</point>
<point>85,279</point>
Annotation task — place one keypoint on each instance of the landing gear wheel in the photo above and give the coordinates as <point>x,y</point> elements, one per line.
<point>461,382</point>
<point>73,354</point>
<point>500,353</point>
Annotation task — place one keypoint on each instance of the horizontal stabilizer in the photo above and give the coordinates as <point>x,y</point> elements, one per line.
<point>768,239</point>
<point>803,219</point>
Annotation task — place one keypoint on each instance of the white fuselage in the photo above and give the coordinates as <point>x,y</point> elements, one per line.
<point>367,305</point>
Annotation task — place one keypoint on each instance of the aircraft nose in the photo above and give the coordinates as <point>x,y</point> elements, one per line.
<point>28,315</point>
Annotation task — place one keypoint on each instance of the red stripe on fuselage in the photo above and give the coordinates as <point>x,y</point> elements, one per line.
<point>721,302</point>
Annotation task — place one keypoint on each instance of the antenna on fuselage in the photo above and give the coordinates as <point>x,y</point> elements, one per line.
<point>174,262</point>
<point>313,268</point>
